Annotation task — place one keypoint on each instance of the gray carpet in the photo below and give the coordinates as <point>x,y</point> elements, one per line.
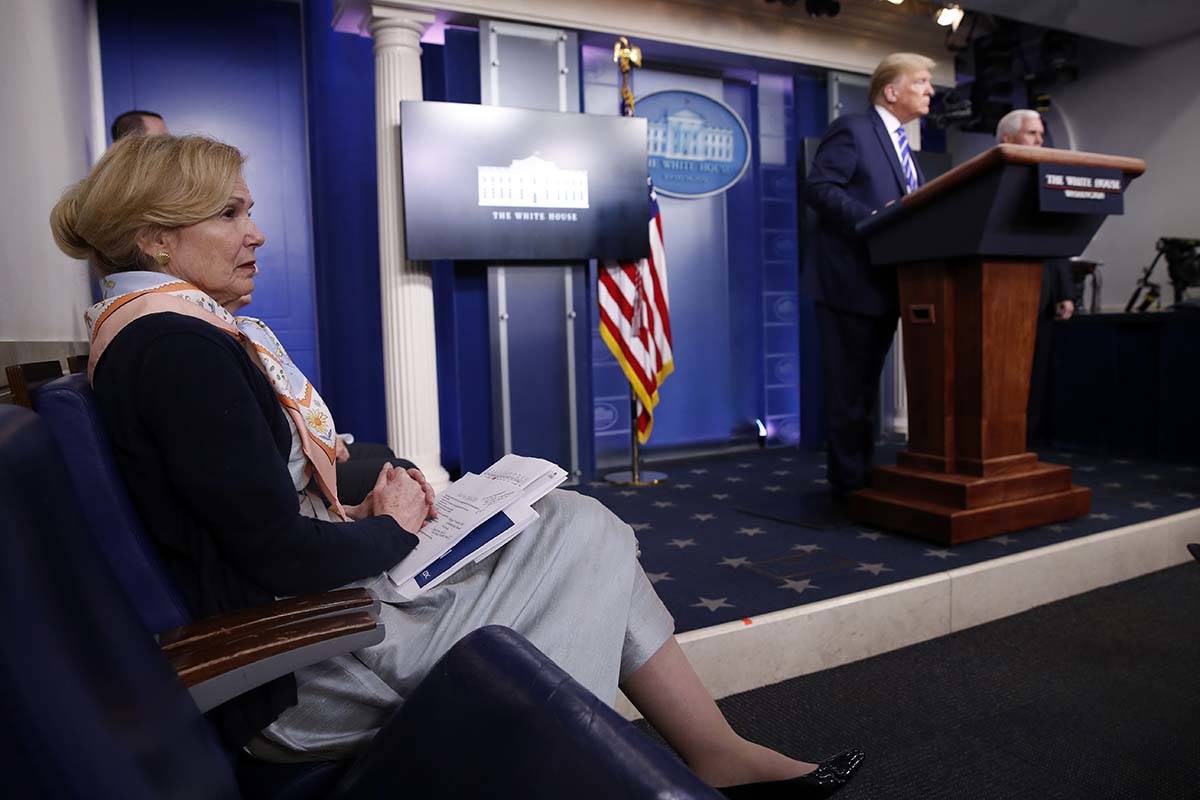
<point>1096,696</point>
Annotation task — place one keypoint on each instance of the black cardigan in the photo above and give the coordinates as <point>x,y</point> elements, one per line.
<point>202,443</point>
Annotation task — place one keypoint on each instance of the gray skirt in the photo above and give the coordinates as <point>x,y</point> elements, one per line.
<point>570,584</point>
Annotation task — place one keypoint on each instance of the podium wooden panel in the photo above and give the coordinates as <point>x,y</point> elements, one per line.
<point>970,247</point>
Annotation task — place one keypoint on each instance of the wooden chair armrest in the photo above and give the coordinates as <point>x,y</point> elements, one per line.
<point>264,618</point>
<point>229,666</point>
<point>24,378</point>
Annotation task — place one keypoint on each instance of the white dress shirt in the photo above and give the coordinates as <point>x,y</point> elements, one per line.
<point>892,124</point>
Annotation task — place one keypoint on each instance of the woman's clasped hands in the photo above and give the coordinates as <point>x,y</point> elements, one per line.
<point>403,495</point>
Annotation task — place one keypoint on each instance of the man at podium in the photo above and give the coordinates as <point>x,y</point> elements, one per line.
<point>864,163</point>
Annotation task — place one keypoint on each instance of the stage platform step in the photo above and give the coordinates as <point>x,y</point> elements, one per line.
<point>767,579</point>
<point>759,651</point>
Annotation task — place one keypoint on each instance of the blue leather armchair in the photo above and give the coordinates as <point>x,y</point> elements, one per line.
<point>494,718</point>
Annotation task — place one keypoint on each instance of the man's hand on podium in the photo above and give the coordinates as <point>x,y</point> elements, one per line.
<point>1065,309</point>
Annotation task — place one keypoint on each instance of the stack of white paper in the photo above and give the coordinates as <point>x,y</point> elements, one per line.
<point>477,514</point>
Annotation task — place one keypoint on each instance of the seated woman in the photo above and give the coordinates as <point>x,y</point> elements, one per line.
<point>228,452</point>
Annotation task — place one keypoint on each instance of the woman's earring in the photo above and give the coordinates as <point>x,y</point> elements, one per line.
<point>162,257</point>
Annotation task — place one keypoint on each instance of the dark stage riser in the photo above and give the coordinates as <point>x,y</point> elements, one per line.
<point>970,249</point>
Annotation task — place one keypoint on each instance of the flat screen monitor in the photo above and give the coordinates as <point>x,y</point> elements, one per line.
<point>504,184</point>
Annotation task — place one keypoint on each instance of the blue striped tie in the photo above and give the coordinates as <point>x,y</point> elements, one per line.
<point>906,161</point>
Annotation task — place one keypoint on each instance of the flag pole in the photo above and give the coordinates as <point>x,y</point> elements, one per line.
<point>629,56</point>
<point>634,469</point>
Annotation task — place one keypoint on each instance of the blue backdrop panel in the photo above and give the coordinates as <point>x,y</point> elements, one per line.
<point>811,106</point>
<point>536,337</point>
<point>779,303</point>
<point>744,218</point>
<point>341,135</point>
<point>207,71</point>
<point>712,394</point>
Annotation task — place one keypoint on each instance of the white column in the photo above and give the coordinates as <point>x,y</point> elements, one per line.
<point>406,287</point>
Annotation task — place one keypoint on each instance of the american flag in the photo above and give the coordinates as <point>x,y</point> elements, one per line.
<point>635,321</point>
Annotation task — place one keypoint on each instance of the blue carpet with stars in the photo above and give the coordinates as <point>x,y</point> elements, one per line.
<point>713,563</point>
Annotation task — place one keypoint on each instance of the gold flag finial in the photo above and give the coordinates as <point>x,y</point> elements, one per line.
<point>627,56</point>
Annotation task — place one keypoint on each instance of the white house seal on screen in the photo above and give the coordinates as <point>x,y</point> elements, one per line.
<point>533,182</point>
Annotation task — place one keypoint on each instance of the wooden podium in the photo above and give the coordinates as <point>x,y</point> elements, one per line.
<point>969,248</point>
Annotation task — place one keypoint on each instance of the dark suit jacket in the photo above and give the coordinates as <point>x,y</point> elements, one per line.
<point>1058,284</point>
<point>855,172</point>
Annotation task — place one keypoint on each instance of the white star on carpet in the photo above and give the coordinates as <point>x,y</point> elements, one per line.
<point>683,486</point>
<point>799,587</point>
<point>711,604</point>
<point>1146,504</point>
<point>598,484</point>
<point>744,466</point>
<point>750,531</point>
<point>698,471</point>
<point>657,577</point>
<point>663,504</point>
<point>1006,540</point>
<point>740,561</point>
<point>703,517</point>
<point>1059,528</point>
<point>1100,516</point>
<point>772,488</point>
<point>874,569</point>
<point>1184,495</point>
<point>1086,469</point>
<point>719,496</point>
<point>1114,486</point>
<point>641,526</point>
<point>820,481</point>
<point>807,548</point>
<point>682,543</point>
<point>786,459</point>
<point>1149,476</point>
<point>734,479</point>
<point>943,554</point>
<point>1185,469</point>
<point>1121,461</point>
<point>823,466</point>
<point>781,472</point>
<point>628,493</point>
<point>874,536</point>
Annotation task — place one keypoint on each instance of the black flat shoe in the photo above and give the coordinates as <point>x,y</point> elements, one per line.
<point>829,776</point>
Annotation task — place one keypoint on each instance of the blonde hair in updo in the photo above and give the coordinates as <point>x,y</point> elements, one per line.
<point>143,184</point>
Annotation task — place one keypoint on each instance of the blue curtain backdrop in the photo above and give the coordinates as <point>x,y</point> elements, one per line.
<point>232,70</point>
<point>450,73</point>
<point>340,79</point>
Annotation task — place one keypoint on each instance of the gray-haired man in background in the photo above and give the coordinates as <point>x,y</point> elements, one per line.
<point>1024,126</point>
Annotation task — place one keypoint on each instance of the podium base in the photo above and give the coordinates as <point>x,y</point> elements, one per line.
<point>953,508</point>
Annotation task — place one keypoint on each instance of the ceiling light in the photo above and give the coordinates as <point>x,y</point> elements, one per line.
<point>895,2</point>
<point>949,15</point>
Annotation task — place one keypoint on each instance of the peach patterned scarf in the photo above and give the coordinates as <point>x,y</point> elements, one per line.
<point>131,295</point>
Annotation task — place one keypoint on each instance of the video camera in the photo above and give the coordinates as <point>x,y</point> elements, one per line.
<point>1183,263</point>
<point>1183,268</point>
